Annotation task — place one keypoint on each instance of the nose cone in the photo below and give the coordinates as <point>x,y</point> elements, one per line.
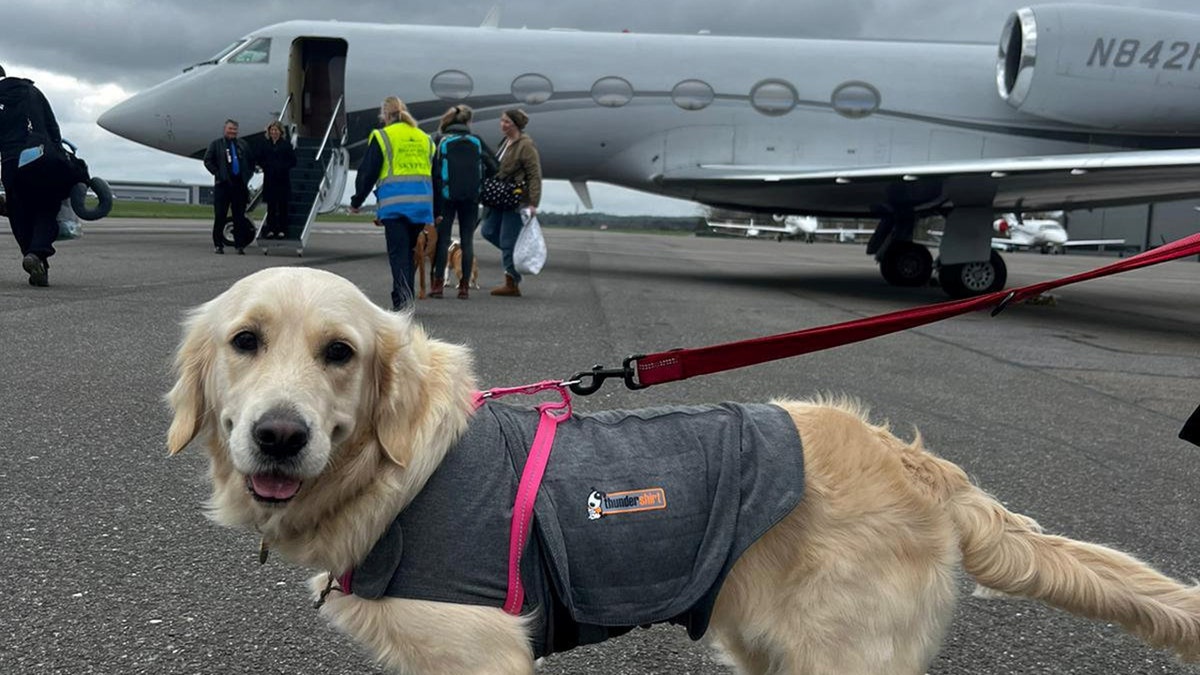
<point>127,119</point>
<point>161,117</point>
<point>1056,236</point>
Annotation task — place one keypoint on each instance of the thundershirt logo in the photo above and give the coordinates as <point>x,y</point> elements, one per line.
<point>600,504</point>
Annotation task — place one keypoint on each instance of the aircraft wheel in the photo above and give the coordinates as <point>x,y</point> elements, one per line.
<point>974,278</point>
<point>906,264</point>
<point>227,231</point>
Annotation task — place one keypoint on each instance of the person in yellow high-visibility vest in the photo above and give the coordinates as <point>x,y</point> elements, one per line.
<point>398,164</point>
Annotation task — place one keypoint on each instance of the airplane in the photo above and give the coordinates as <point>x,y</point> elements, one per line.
<point>790,227</point>
<point>1045,234</point>
<point>1076,106</point>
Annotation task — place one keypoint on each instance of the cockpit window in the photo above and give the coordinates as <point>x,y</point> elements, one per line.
<point>225,52</point>
<point>258,51</point>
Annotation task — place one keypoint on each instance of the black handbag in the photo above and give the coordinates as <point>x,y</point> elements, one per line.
<point>498,193</point>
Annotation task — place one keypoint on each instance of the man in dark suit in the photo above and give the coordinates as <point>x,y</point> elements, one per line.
<point>228,159</point>
<point>32,204</point>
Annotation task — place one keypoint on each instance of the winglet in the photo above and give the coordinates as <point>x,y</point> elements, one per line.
<point>492,20</point>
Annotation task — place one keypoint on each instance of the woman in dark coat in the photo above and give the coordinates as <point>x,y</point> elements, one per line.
<point>276,159</point>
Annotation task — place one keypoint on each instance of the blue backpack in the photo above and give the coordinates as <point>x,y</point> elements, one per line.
<point>460,167</point>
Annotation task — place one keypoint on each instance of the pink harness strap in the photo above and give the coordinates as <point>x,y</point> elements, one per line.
<point>531,478</point>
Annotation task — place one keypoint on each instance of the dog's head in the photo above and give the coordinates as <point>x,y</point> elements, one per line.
<point>307,392</point>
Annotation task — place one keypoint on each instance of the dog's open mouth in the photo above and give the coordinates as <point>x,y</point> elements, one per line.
<point>272,487</point>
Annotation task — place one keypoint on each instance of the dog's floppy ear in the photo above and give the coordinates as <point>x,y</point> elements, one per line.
<point>187,397</point>
<point>397,391</point>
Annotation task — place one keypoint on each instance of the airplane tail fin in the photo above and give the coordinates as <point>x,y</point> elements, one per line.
<point>492,20</point>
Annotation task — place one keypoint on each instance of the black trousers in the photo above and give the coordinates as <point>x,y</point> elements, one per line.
<point>468,218</point>
<point>277,212</point>
<point>400,233</point>
<point>32,212</point>
<point>231,196</point>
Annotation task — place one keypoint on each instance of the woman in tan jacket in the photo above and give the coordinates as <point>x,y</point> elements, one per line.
<point>519,163</point>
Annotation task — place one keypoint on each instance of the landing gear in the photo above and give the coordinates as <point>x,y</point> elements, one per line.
<point>974,278</point>
<point>906,264</point>
<point>230,236</point>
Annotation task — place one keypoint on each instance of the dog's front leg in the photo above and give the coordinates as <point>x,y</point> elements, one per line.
<point>416,637</point>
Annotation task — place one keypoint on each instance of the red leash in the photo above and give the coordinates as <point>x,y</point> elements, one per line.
<point>680,364</point>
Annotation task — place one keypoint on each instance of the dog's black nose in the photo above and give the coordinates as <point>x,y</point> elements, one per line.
<point>280,434</point>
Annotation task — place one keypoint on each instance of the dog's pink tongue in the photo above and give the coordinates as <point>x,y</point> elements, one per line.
<point>274,487</point>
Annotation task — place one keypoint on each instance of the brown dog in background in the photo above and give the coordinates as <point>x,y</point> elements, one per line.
<point>423,253</point>
<point>456,264</point>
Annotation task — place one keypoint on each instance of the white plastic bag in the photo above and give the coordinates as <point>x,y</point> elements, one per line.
<point>529,254</point>
<point>69,226</point>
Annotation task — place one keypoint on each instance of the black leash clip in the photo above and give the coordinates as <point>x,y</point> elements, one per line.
<point>598,374</point>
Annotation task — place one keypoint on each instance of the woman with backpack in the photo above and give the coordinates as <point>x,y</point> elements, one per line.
<point>462,161</point>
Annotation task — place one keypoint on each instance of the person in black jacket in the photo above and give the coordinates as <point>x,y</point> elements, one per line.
<point>276,158</point>
<point>462,161</point>
<point>32,204</point>
<point>229,160</point>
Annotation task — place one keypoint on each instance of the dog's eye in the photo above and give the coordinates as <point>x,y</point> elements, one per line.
<point>245,342</point>
<point>338,353</point>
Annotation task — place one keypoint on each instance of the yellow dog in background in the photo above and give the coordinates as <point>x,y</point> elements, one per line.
<point>859,579</point>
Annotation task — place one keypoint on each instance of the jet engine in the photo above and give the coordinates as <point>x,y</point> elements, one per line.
<point>1115,68</point>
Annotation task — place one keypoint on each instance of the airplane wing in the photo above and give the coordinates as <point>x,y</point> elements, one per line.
<point>1095,242</point>
<point>742,226</point>
<point>1020,183</point>
<point>842,230</point>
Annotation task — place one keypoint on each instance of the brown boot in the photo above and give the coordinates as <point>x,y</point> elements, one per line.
<point>509,289</point>
<point>463,289</point>
<point>439,285</point>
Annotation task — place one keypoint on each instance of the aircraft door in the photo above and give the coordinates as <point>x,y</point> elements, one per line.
<point>317,83</point>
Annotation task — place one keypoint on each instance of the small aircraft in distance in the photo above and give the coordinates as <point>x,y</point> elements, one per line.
<point>1045,234</point>
<point>791,227</point>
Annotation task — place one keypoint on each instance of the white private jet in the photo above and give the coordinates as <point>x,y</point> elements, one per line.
<point>1045,234</point>
<point>790,227</point>
<point>1078,106</point>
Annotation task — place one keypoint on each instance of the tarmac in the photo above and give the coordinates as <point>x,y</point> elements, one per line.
<point>1068,411</point>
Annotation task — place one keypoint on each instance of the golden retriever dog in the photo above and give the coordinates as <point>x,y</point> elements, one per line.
<point>324,416</point>
<point>455,256</point>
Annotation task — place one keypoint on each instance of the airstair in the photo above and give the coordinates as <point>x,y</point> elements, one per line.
<point>318,181</point>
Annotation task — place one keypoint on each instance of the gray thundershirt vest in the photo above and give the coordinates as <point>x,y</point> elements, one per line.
<point>640,516</point>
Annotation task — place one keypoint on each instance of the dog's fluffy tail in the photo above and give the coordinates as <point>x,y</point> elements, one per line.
<point>1008,552</point>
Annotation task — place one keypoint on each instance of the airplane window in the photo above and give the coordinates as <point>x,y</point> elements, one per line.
<point>855,99</point>
<point>692,95</point>
<point>612,92</point>
<point>258,51</point>
<point>452,85</point>
<point>773,97</point>
<point>225,52</point>
<point>532,88</point>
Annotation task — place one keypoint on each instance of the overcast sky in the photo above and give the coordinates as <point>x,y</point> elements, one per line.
<point>87,55</point>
